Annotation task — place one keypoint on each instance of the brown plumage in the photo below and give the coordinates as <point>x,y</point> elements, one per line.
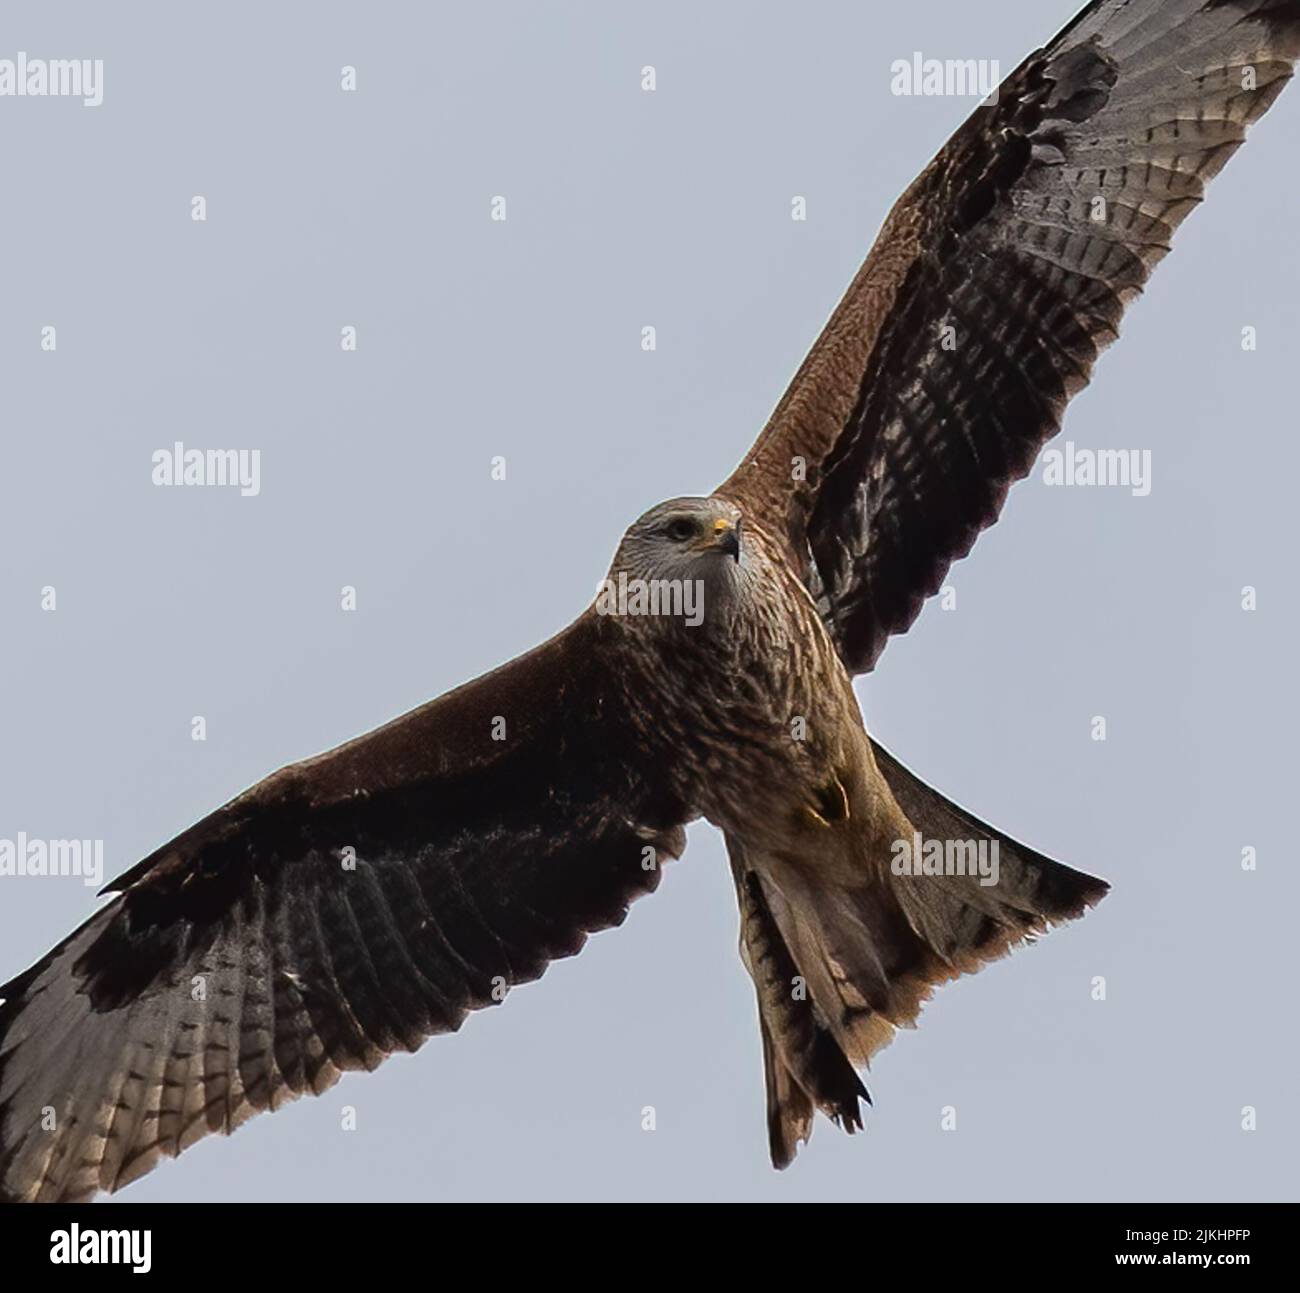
<point>353,905</point>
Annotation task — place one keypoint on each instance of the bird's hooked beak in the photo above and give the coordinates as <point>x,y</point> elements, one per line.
<point>726,537</point>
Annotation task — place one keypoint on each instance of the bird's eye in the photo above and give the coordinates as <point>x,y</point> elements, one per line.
<point>680,530</point>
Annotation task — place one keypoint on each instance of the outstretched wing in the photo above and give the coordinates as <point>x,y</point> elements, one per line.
<point>995,282</point>
<point>346,908</point>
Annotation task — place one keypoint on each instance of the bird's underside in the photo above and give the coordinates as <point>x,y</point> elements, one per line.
<point>353,905</point>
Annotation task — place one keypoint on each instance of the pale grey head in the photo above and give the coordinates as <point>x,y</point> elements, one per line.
<point>686,559</point>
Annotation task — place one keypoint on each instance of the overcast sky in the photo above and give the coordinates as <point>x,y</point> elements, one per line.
<point>629,208</point>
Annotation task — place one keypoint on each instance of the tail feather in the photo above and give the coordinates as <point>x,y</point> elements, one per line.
<point>960,917</point>
<point>805,1068</point>
<point>789,1107</point>
<point>870,955</point>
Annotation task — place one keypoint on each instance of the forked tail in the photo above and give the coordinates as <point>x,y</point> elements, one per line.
<point>837,970</point>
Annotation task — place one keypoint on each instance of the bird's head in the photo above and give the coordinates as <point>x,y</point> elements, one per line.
<point>683,559</point>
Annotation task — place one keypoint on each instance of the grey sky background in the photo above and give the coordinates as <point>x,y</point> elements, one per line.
<point>522,339</point>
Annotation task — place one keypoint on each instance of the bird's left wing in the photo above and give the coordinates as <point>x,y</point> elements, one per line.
<point>995,282</point>
<point>342,910</point>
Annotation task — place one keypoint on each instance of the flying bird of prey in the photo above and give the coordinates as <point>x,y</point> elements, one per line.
<point>352,905</point>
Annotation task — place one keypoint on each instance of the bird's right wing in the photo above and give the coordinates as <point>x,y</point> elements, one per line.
<point>343,909</point>
<point>996,281</point>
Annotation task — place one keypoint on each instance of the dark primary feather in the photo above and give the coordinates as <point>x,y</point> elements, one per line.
<point>996,281</point>
<point>245,964</point>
